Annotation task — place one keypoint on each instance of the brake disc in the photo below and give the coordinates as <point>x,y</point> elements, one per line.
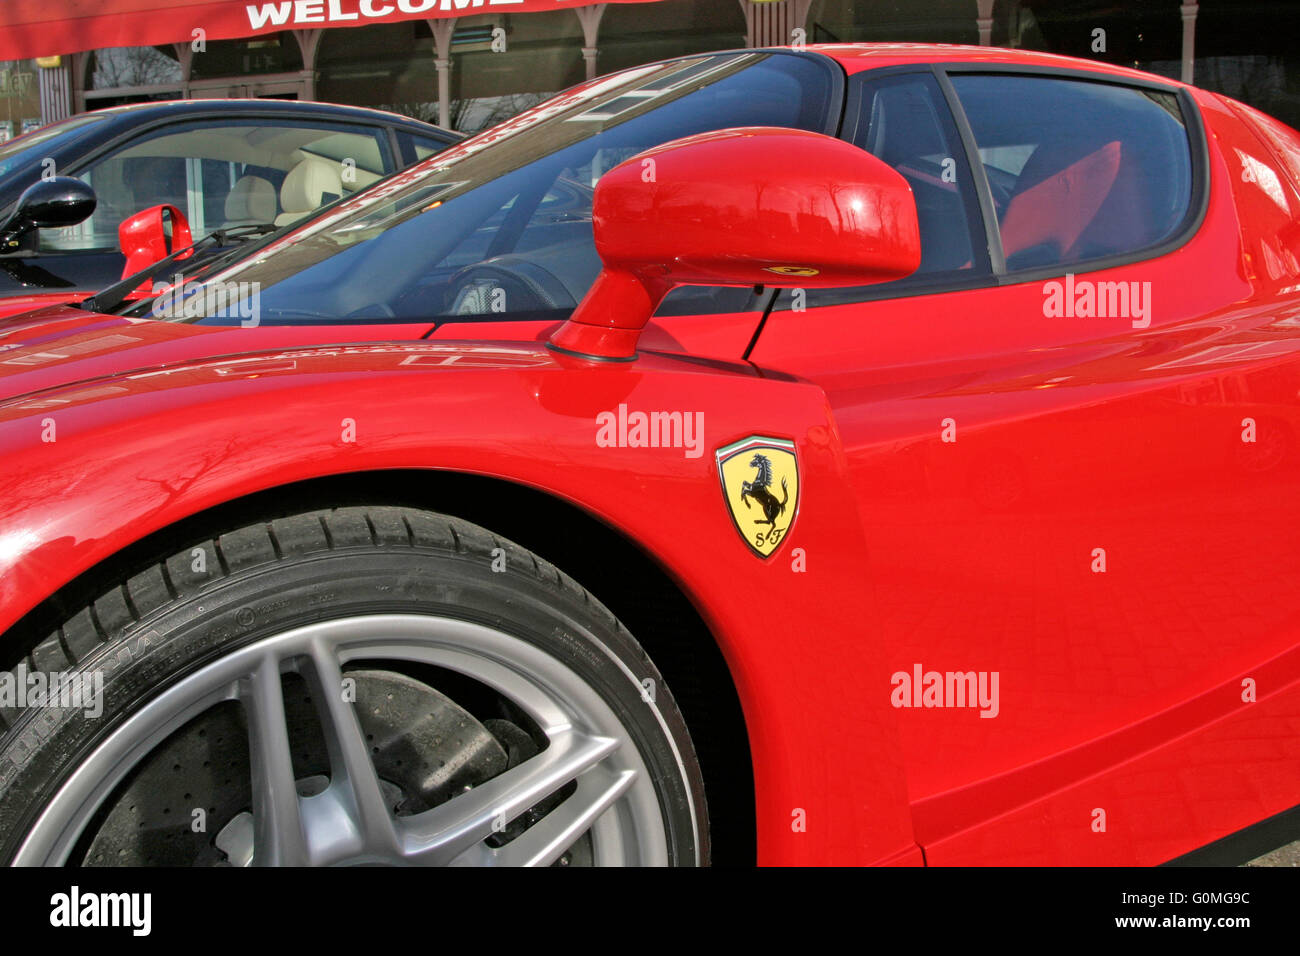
<point>425,747</point>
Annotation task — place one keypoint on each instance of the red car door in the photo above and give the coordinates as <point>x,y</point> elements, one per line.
<point>1083,607</point>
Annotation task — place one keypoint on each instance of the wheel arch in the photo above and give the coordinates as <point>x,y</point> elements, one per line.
<point>635,586</point>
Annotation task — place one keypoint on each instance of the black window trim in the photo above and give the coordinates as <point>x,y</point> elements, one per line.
<point>399,160</point>
<point>988,209</point>
<point>404,143</point>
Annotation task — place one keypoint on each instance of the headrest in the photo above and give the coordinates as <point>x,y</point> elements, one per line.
<point>251,200</point>
<point>308,184</point>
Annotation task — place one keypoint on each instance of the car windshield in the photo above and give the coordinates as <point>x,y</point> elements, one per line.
<point>22,156</point>
<point>500,226</point>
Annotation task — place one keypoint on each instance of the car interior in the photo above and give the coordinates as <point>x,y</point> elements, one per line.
<point>224,176</point>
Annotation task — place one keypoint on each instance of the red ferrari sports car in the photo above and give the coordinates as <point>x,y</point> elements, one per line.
<point>683,471</point>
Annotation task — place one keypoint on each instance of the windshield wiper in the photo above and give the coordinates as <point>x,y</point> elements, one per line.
<point>106,300</point>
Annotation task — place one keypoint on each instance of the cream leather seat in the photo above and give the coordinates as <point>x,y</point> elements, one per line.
<point>251,202</point>
<point>311,183</point>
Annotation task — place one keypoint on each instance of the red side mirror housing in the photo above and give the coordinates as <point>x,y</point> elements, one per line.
<point>752,206</point>
<point>146,238</point>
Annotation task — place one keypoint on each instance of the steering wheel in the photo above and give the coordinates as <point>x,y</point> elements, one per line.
<point>507,284</point>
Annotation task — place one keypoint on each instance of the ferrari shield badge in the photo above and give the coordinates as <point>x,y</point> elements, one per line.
<point>760,482</point>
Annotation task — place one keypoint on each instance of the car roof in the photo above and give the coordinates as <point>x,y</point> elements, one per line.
<point>856,57</point>
<point>134,113</point>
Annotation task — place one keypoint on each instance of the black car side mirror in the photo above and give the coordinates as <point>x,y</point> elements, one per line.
<point>51,203</point>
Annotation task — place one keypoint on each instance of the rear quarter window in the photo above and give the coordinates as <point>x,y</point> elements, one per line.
<point>1079,170</point>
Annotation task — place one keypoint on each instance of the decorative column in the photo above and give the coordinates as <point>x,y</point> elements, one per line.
<point>442,34</point>
<point>80,67</point>
<point>799,15</point>
<point>308,44</point>
<point>1188,11</point>
<point>589,17</point>
<point>773,22</point>
<point>56,90</point>
<point>984,21</point>
<point>185,57</point>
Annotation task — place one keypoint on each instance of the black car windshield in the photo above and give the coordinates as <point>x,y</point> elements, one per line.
<point>22,157</point>
<point>499,226</point>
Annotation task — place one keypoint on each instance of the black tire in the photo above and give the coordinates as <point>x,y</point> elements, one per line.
<point>168,620</point>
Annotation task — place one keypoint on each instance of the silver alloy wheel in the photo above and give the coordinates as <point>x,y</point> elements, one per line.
<point>350,822</point>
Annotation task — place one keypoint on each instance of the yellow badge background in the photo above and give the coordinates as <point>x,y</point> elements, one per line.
<point>734,469</point>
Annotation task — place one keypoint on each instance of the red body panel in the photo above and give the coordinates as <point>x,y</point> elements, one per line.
<point>237,426</point>
<point>1074,434</point>
<point>1121,690</point>
<point>19,304</point>
<point>875,56</point>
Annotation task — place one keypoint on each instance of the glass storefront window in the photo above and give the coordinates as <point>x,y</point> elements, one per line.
<point>1246,49</point>
<point>130,66</point>
<point>391,66</point>
<point>543,55</point>
<point>636,33</point>
<point>892,21</point>
<point>388,66</point>
<point>273,53</point>
<point>1142,36</point>
<point>20,95</point>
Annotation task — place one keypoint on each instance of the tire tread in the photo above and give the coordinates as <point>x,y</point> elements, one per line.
<point>338,529</point>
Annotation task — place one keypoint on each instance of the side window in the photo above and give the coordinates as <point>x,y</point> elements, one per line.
<point>124,184</point>
<point>904,121</point>
<point>416,147</point>
<point>1078,170</point>
<point>222,174</point>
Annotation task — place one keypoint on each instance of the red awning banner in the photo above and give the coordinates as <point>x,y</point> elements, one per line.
<point>31,28</point>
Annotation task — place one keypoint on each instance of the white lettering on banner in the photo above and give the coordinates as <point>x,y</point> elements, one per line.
<point>337,15</point>
<point>276,14</point>
<point>309,11</point>
<point>292,12</point>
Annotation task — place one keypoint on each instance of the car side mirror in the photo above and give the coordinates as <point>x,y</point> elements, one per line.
<point>151,235</point>
<point>49,204</point>
<point>738,207</point>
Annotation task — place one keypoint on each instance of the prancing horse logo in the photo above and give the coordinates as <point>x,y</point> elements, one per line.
<point>751,470</point>
<point>760,489</point>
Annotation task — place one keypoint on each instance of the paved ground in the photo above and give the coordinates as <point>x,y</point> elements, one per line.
<point>1288,855</point>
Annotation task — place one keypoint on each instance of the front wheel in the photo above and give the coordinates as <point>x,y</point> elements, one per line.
<point>352,686</point>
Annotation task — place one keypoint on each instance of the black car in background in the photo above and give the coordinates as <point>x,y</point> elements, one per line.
<point>222,163</point>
